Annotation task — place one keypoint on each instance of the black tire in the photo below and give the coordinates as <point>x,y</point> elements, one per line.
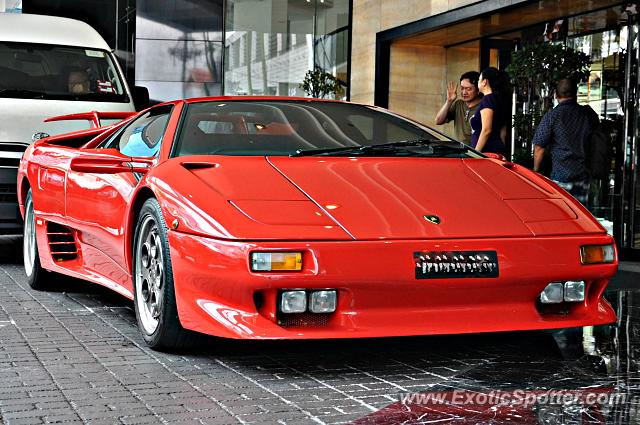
<point>153,289</point>
<point>37,277</point>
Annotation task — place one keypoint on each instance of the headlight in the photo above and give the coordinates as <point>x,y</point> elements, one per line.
<point>594,254</point>
<point>276,261</point>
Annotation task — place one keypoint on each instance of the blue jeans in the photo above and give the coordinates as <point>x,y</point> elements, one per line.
<point>578,189</point>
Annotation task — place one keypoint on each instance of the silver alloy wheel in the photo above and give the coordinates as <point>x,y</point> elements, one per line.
<point>29,238</point>
<point>149,283</point>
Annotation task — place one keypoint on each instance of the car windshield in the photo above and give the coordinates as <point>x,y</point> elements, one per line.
<point>305,128</point>
<point>41,71</point>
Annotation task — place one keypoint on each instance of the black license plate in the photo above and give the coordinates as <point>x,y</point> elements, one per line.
<point>455,264</point>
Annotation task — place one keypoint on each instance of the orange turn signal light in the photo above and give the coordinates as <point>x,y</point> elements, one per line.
<point>595,254</point>
<point>276,261</point>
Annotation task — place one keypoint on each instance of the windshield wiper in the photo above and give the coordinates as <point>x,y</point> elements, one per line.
<point>321,151</point>
<point>436,145</point>
<point>22,93</point>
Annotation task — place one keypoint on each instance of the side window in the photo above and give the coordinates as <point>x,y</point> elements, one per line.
<point>142,136</point>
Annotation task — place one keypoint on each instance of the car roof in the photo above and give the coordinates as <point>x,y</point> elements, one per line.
<point>258,98</point>
<point>41,29</point>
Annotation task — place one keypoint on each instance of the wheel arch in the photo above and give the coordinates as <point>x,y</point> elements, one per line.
<point>169,333</point>
<point>141,197</point>
<point>23,189</point>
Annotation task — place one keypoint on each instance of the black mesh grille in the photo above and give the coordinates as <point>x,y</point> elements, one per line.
<point>13,147</point>
<point>303,320</point>
<point>8,194</point>
<point>10,162</point>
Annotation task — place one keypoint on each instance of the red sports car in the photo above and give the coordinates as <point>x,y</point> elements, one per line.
<point>294,218</point>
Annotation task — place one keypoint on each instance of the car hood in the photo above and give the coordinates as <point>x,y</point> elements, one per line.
<point>376,198</point>
<point>406,198</point>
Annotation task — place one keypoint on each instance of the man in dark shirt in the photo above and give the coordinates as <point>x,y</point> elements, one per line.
<point>564,131</point>
<point>460,111</point>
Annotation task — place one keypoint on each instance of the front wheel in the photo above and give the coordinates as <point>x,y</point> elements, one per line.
<point>154,295</point>
<point>37,277</point>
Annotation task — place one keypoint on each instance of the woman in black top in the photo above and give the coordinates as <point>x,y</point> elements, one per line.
<point>488,124</point>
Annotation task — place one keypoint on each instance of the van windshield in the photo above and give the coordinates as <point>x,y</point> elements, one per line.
<point>41,71</point>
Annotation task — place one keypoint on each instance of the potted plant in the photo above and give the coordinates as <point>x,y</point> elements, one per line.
<point>318,84</point>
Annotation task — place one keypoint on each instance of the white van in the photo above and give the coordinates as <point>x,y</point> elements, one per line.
<point>49,66</point>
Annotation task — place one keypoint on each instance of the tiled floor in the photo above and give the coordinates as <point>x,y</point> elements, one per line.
<point>73,355</point>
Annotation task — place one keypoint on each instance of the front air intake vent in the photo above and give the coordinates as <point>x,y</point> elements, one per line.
<point>304,320</point>
<point>62,242</point>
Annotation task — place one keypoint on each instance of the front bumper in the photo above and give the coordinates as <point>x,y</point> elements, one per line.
<point>378,293</point>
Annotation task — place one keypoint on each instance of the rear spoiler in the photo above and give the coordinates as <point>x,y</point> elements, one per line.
<point>67,139</point>
<point>94,117</point>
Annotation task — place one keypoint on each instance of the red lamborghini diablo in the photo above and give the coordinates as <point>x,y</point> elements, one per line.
<point>266,218</point>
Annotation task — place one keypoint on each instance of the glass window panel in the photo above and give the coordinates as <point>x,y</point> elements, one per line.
<point>594,21</point>
<point>603,91</point>
<point>160,91</point>
<point>179,47</point>
<point>175,19</point>
<point>179,60</point>
<point>633,129</point>
<point>331,43</point>
<point>271,44</point>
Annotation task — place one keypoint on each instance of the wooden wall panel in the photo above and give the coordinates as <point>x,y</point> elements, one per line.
<point>372,16</point>
<point>415,77</point>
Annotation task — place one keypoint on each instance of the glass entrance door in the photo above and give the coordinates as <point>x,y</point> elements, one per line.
<point>631,201</point>
<point>612,91</point>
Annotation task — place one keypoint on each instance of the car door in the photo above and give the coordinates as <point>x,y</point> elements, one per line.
<point>49,180</point>
<point>98,193</point>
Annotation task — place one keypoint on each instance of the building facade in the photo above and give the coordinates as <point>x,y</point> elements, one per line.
<point>238,47</point>
<point>396,54</point>
<point>190,48</point>
<point>270,45</point>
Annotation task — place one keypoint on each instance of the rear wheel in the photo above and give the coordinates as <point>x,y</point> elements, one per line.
<point>154,295</point>
<point>37,277</point>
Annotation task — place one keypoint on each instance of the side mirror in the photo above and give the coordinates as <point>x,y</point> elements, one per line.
<point>140,98</point>
<point>497,156</point>
<point>109,161</point>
